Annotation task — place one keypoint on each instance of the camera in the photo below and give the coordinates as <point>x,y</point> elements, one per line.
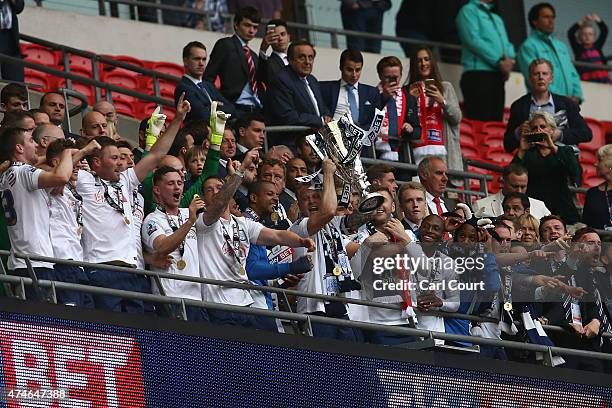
<point>535,137</point>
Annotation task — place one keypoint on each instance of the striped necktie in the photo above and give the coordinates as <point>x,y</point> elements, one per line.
<point>251,66</point>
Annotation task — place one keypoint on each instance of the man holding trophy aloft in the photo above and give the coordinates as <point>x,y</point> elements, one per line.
<point>339,146</point>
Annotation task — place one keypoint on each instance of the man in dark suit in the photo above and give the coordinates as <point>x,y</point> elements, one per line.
<point>574,131</point>
<point>278,38</point>
<point>236,64</point>
<point>9,38</point>
<point>348,95</point>
<point>198,92</point>
<point>294,97</point>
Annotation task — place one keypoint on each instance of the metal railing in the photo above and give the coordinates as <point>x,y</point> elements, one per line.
<point>333,32</point>
<point>87,81</point>
<point>306,319</point>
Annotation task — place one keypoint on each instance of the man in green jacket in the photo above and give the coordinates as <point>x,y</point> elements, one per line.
<point>541,43</point>
<point>487,57</point>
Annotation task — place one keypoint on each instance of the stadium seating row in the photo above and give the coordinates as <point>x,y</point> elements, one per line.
<point>482,141</point>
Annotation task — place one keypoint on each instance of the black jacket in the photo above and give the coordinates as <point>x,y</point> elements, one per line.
<point>288,101</point>
<point>229,62</point>
<point>200,105</point>
<point>576,131</point>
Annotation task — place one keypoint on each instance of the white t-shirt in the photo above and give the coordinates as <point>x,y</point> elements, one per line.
<point>218,261</point>
<point>26,209</point>
<point>313,281</point>
<point>106,235</point>
<point>65,231</point>
<point>137,203</point>
<point>156,224</point>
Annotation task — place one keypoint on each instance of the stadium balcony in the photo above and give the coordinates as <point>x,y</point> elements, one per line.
<point>111,359</point>
<point>123,360</point>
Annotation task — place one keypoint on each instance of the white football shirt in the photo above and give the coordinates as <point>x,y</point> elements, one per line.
<point>155,225</point>
<point>65,233</point>
<point>313,281</point>
<point>26,209</point>
<point>217,259</point>
<point>106,235</point>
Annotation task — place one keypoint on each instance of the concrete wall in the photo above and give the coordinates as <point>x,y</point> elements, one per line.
<point>164,43</point>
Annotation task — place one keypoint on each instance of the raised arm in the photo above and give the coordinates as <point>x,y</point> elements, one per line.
<point>60,175</point>
<point>211,165</point>
<point>288,238</point>
<point>92,147</point>
<point>163,144</point>
<point>329,201</point>
<point>227,191</point>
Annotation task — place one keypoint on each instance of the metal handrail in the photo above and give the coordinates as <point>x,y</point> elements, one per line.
<point>88,81</point>
<point>299,317</point>
<point>95,59</point>
<point>247,286</point>
<point>100,58</point>
<point>333,32</point>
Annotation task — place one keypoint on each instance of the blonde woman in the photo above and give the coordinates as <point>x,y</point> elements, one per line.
<point>549,166</point>
<point>597,212</point>
<point>529,227</point>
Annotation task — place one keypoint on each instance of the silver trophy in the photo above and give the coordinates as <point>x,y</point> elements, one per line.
<point>342,141</point>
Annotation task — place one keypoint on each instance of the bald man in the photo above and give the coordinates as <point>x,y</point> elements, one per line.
<point>110,113</point>
<point>94,124</point>
<point>44,135</point>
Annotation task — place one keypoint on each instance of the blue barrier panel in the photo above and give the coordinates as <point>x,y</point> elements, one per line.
<point>56,362</point>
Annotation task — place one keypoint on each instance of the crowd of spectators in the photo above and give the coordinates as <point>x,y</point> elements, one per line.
<point>200,197</point>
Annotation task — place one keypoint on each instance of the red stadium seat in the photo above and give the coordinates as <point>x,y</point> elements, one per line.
<point>470,152</point>
<point>169,68</point>
<point>498,156</point>
<point>122,77</point>
<point>587,156</point>
<point>591,179</point>
<point>165,87</point>
<point>608,127</point>
<point>87,90</point>
<point>124,107</point>
<point>493,134</point>
<point>40,55</point>
<point>38,78</point>
<point>79,62</point>
<point>599,136</point>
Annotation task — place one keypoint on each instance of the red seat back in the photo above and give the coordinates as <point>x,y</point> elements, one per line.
<point>40,55</point>
<point>599,135</point>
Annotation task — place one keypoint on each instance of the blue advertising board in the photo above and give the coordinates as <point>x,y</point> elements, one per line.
<point>103,360</point>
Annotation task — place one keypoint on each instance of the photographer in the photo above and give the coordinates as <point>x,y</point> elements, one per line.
<point>573,130</point>
<point>550,166</point>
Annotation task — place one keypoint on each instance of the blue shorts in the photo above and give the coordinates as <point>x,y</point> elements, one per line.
<point>122,281</point>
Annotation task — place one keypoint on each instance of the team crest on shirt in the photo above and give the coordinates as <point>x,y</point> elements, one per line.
<point>151,227</point>
<point>99,197</point>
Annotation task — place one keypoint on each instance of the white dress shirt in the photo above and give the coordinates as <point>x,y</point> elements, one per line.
<point>312,96</point>
<point>343,106</point>
<point>432,206</point>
